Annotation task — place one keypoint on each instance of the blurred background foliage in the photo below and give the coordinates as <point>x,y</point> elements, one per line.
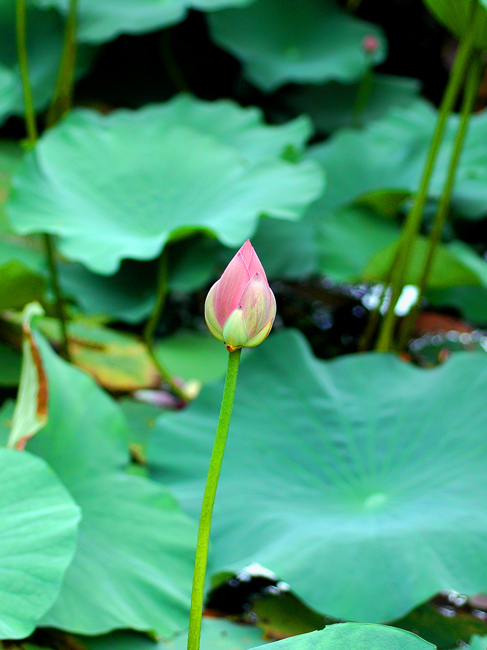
<point>165,134</point>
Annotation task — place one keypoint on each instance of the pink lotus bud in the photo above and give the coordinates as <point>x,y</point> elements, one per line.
<point>240,308</point>
<point>370,44</point>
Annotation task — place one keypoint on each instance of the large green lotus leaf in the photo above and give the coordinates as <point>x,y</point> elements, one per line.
<point>119,186</point>
<point>342,466</point>
<point>216,634</point>
<point>280,41</point>
<point>102,20</point>
<point>133,565</point>
<point>141,418</point>
<point>389,154</point>
<point>478,642</point>
<point>331,106</point>
<point>456,16</point>
<point>346,636</point>
<point>38,527</point>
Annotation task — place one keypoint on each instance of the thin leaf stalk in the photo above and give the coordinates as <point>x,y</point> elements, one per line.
<point>414,218</point>
<point>50,252</point>
<point>172,68</point>
<point>150,327</point>
<point>472,85</point>
<point>373,320</point>
<point>63,92</point>
<point>202,545</point>
<point>21,34</point>
<point>363,94</point>
<point>32,137</point>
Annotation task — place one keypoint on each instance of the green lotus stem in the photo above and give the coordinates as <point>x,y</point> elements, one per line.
<point>197,594</point>
<point>172,68</point>
<point>63,92</point>
<point>470,94</point>
<point>363,95</point>
<point>21,33</point>
<point>32,137</point>
<point>50,251</point>
<point>414,218</point>
<point>150,328</point>
<point>372,323</point>
<point>353,5</point>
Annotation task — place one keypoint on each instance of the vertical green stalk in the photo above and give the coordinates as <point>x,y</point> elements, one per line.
<point>471,89</point>
<point>414,218</point>
<point>21,33</point>
<point>32,136</point>
<point>63,92</point>
<point>150,328</point>
<point>50,252</point>
<point>363,95</point>
<point>209,500</point>
<point>172,68</point>
<point>353,5</point>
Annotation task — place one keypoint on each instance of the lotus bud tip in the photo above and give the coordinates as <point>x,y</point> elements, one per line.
<point>240,307</point>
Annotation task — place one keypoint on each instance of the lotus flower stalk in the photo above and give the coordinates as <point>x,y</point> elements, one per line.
<point>239,310</point>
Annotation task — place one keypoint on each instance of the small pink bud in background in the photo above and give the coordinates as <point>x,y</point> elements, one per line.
<point>240,308</point>
<point>370,44</point>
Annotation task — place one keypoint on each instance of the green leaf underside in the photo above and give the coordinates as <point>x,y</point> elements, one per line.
<point>357,244</point>
<point>456,17</point>
<point>19,285</point>
<point>103,20</point>
<point>347,239</point>
<point>447,269</point>
<point>133,564</point>
<point>129,295</point>
<point>38,526</point>
<point>216,634</point>
<point>344,466</point>
<point>470,301</point>
<point>358,636</point>
<point>286,249</point>
<point>445,627</point>
<point>118,186</point>
<point>10,363</point>
<point>312,42</point>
